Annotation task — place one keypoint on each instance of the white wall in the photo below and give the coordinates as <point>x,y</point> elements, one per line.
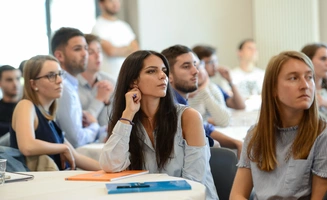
<point>323,20</point>
<point>221,23</point>
<point>224,23</point>
<point>281,25</point>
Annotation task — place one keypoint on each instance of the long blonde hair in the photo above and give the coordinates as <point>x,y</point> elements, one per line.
<point>262,146</point>
<point>32,68</point>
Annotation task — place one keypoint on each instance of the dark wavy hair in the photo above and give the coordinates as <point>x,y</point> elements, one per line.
<point>165,118</point>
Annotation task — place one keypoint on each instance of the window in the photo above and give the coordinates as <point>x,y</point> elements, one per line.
<point>23,25</point>
<point>23,31</point>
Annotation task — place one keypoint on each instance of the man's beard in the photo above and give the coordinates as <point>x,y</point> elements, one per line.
<point>75,68</point>
<point>183,87</point>
<point>11,94</point>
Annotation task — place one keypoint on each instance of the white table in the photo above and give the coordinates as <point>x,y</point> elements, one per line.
<point>52,185</point>
<point>236,132</point>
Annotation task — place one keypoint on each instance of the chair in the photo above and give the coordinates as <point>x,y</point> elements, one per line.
<point>223,168</point>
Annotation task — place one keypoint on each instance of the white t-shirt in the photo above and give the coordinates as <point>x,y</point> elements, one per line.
<point>248,83</point>
<point>119,34</point>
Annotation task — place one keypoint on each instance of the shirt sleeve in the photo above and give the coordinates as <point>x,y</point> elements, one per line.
<point>69,119</point>
<point>320,155</point>
<point>208,129</point>
<point>115,153</point>
<point>197,168</point>
<point>214,105</point>
<point>226,96</point>
<point>95,107</point>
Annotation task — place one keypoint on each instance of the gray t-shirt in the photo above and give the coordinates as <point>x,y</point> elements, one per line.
<point>291,179</point>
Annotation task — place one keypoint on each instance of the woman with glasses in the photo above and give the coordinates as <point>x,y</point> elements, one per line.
<point>33,130</point>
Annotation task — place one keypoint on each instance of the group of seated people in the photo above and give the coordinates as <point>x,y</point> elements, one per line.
<point>144,120</point>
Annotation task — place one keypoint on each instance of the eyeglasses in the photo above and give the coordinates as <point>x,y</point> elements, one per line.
<point>211,62</point>
<point>52,77</point>
<point>200,64</point>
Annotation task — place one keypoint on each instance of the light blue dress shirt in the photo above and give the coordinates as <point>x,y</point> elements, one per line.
<point>69,115</point>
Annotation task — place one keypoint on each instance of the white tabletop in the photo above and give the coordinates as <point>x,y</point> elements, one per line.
<point>52,185</point>
<point>236,132</point>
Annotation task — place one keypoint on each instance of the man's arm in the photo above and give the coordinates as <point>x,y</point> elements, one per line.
<point>236,101</point>
<point>124,51</point>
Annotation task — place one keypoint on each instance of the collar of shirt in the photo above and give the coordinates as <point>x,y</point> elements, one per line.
<point>71,80</point>
<point>179,99</point>
<point>83,82</point>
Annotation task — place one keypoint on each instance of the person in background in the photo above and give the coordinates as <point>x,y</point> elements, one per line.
<point>95,87</point>
<point>11,87</point>
<point>149,131</point>
<point>208,100</point>
<point>317,52</point>
<point>183,78</point>
<point>33,129</point>
<point>69,46</point>
<point>117,37</point>
<point>284,154</point>
<point>207,54</point>
<point>21,66</point>
<point>247,77</point>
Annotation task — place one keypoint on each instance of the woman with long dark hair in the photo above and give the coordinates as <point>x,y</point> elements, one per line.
<point>147,130</point>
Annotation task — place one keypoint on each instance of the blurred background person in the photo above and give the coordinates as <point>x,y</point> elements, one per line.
<point>208,56</point>
<point>95,86</point>
<point>11,90</point>
<point>317,52</point>
<point>117,37</point>
<point>247,77</point>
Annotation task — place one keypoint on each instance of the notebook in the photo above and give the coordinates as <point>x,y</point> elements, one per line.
<point>104,176</point>
<point>117,188</point>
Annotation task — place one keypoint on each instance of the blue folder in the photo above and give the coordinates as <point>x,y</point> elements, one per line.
<point>117,188</point>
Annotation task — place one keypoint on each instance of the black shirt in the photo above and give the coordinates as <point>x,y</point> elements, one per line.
<point>6,111</point>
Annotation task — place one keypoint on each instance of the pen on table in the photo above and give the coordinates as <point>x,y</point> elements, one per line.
<point>133,186</point>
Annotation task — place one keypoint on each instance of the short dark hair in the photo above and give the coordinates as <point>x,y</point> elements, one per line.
<point>203,51</point>
<point>21,66</point>
<point>4,68</point>
<point>171,53</point>
<point>240,47</point>
<point>90,38</point>
<point>61,37</point>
